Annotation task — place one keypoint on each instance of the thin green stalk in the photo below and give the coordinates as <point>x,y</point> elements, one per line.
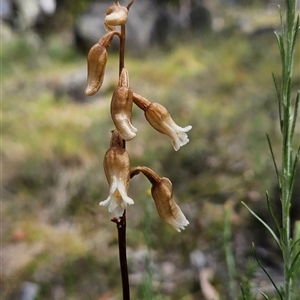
<point>230,262</point>
<point>288,46</point>
<point>288,113</point>
<point>148,292</point>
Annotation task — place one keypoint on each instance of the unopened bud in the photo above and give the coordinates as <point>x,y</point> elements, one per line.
<point>96,63</point>
<point>121,108</point>
<point>115,15</point>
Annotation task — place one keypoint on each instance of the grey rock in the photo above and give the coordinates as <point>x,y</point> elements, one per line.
<point>200,18</point>
<point>28,12</point>
<point>29,290</point>
<point>73,86</point>
<point>198,259</point>
<point>6,33</point>
<point>149,24</point>
<point>6,9</point>
<point>48,7</point>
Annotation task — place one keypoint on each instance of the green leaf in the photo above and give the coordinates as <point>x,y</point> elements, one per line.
<point>288,94</point>
<point>266,272</point>
<point>297,28</point>
<point>264,295</point>
<point>278,99</point>
<point>243,293</point>
<point>272,212</point>
<point>295,244</point>
<point>281,48</point>
<point>294,170</point>
<point>295,264</point>
<point>274,161</point>
<point>265,224</point>
<point>295,114</point>
<point>281,19</point>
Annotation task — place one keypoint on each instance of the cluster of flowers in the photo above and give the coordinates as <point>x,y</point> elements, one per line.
<point>116,161</point>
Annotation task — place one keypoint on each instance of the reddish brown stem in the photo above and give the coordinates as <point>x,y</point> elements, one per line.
<point>122,48</point>
<point>121,227</point>
<point>121,222</point>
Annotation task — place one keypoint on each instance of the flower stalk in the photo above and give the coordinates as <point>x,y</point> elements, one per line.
<point>121,222</point>
<point>116,161</point>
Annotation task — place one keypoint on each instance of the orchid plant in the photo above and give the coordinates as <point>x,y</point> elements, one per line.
<point>116,163</point>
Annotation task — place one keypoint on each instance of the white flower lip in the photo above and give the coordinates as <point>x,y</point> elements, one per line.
<point>179,137</point>
<point>117,199</point>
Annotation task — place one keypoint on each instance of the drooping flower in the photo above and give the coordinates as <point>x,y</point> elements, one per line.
<point>160,119</point>
<point>117,170</point>
<point>121,108</point>
<point>168,210</point>
<point>96,63</point>
<point>162,194</point>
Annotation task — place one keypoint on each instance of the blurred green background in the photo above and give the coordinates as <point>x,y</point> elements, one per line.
<point>55,237</point>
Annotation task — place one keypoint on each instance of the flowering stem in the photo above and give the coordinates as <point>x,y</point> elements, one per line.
<point>121,222</point>
<point>121,226</point>
<point>122,48</point>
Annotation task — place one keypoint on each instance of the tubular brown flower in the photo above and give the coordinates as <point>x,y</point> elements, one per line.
<point>117,171</point>
<point>162,194</point>
<point>96,63</point>
<point>168,210</point>
<point>160,119</point>
<point>121,107</point>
